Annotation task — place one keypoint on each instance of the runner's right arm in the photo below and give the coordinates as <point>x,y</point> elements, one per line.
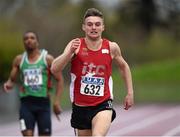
<point>8,85</point>
<point>60,62</point>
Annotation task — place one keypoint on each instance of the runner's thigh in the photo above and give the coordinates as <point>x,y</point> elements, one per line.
<point>101,123</point>
<point>26,117</point>
<point>44,122</point>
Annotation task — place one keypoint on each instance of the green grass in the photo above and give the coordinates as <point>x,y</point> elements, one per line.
<point>166,71</point>
<point>154,82</point>
<point>159,93</point>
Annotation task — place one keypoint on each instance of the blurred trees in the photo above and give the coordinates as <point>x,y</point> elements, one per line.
<point>147,15</point>
<point>139,13</point>
<point>145,29</point>
<point>172,20</point>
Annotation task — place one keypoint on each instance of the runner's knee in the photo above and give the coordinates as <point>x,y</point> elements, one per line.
<point>27,133</point>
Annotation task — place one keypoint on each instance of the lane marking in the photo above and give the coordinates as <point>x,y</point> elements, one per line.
<point>173,131</point>
<point>134,113</point>
<point>146,122</point>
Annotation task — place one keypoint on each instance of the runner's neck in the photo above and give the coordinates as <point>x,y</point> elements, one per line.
<point>34,55</point>
<point>93,45</point>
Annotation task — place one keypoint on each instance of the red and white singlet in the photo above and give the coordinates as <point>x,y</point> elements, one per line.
<point>91,81</point>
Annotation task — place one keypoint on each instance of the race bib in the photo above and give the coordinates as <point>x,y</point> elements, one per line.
<point>33,77</point>
<point>92,86</point>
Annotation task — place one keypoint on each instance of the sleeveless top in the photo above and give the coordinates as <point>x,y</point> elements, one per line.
<point>34,76</point>
<point>91,81</point>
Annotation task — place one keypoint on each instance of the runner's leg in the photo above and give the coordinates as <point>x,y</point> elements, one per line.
<point>27,120</point>
<point>27,132</point>
<point>101,123</point>
<point>84,132</point>
<point>44,121</point>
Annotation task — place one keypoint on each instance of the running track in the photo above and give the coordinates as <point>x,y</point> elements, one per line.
<point>141,120</point>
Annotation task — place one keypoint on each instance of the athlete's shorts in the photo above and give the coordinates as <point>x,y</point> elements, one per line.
<point>35,110</point>
<point>81,117</point>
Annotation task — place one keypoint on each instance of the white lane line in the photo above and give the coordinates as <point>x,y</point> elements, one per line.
<point>135,113</point>
<point>173,131</point>
<point>146,122</point>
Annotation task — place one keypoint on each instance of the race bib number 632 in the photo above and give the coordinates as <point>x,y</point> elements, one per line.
<point>92,86</point>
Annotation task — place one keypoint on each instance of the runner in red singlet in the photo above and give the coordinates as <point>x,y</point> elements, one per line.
<point>91,82</point>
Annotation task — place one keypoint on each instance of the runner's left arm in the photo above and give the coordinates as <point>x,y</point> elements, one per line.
<point>59,89</point>
<point>125,73</point>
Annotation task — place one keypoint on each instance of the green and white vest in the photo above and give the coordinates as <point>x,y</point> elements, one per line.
<point>34,76</point>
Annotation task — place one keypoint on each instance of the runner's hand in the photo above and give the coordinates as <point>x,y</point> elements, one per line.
<point>75,44</point>
<point>57,111</point>
<point>8,86</point>
<point>129,101</point>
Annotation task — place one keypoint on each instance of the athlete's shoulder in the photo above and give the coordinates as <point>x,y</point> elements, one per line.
<point>49,59</point>
<point>17,59</point>
<point>111,43</point>
<point>114,48</point>
<point>19,56</point>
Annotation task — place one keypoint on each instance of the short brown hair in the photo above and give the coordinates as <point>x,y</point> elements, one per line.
<point>93,12</point>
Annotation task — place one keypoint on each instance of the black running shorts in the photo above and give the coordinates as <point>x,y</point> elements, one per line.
<point>34,110</point>
<point>81,117</point>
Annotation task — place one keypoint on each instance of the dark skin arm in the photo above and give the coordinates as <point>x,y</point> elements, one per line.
<point>9,84</point>
<point>59,88</point>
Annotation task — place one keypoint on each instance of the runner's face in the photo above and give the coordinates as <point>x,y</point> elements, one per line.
<point>30,41</point>
<point>93,27</point>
